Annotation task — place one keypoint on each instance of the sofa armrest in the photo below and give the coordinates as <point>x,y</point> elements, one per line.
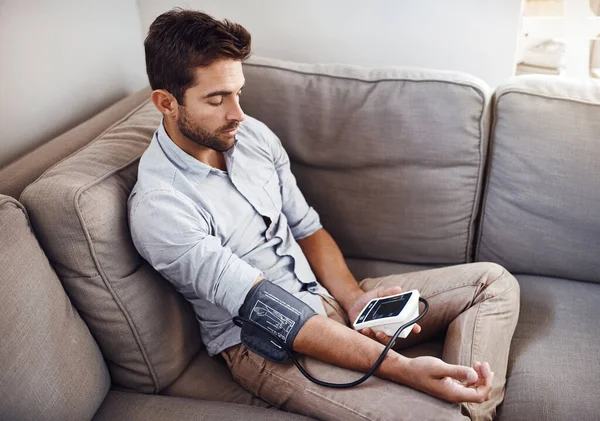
<point>138,406</point>
<point>19,174</point>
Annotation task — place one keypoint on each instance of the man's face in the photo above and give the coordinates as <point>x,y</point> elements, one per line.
<point>211,111</point>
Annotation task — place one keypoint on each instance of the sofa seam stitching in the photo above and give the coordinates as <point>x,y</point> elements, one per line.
<point>523,91</point>
<point>478,188</point>
<point>18,205</point>
<point>488,177</point>
<point>465,84</point>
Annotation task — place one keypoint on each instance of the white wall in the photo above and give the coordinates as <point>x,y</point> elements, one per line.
<point>61,62</point>
<point>474,36</point>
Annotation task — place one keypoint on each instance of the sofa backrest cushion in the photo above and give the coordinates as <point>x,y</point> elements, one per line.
<point>145,329</point>
<point>391,159</point>
<point>50,366</point>
<point>542,211</point>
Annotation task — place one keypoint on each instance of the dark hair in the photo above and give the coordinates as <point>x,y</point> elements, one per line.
<point>181,40</point>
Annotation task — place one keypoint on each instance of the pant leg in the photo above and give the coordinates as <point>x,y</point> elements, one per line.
<point>284,387</point>
<point>478,306</point>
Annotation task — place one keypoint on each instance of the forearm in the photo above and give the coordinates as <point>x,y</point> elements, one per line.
<point>332,342</point>
<point>329,266</point>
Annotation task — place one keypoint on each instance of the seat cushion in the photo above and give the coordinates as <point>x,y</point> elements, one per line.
<point>390,158</point>
<point>145,329</point>
<point>543,196</point>
<point>50,366</point>
<point>136,406</point>
<point>555,353</point>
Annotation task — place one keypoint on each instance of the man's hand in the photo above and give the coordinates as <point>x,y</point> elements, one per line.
<point>453,383</point>
<point>361,301</point>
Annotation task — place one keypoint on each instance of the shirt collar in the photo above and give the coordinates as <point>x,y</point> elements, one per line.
<point>184,162</point>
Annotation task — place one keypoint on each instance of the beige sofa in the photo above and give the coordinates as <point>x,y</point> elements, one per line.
<point>409,169</point>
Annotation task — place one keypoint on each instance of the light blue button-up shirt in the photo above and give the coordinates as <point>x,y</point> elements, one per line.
<point>211,233</point>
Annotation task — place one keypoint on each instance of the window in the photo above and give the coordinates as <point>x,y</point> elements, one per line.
<point>560,37</point>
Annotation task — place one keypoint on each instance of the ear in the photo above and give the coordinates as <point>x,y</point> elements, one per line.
<point>165,102</point>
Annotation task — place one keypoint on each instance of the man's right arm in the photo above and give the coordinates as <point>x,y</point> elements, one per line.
<point>327,340</point>
<point>174,235</point>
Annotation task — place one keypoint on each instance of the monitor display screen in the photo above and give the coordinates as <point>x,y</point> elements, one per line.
<point>388,307</point>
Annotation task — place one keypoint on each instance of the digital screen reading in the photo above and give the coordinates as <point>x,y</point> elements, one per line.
<point>388,307</point>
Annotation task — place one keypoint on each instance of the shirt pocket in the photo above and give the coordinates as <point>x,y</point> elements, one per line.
<point>273,190</point>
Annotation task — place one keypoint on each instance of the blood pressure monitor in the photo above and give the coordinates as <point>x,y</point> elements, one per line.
<point>271,317</point>
<point>387,314</point>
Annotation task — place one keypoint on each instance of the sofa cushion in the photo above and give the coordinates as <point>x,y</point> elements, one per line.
<point>555,353</point>
<point>50,366</point>
<point>390,158</point>
<point>367,268</point>
<point>136,406</point>
<point>543,196</point>
<point>145,329</point>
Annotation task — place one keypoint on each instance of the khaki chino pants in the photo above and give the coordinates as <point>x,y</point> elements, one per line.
<point>475,305</point>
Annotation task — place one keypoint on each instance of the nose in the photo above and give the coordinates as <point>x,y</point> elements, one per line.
<point>235,113</point>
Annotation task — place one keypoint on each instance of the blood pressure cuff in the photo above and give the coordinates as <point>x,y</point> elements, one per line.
<point>279,313</point>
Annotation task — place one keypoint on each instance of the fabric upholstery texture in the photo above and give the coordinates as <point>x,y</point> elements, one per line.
<point>209,379</point>
<point>355,136</point>
<point>135,406</point>
<point>543,197</point>
<point>368,268</point>
<point>50,366</point>
<point>17,175</point>
<point>555,352</point>
<point>145,329</point>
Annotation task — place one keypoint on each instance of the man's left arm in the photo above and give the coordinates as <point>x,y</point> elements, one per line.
<point>320,249</point>
<point>329,266</point>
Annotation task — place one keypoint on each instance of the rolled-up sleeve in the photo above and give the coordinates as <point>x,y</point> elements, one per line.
<point>174,236</point>
<point>302,218</point>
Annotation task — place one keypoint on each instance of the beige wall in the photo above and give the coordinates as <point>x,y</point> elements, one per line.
<point>475,36</point>
<point>62,61</point>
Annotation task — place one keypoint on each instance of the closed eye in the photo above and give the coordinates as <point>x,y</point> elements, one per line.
<point>220,96</point>
<point>216,104</point>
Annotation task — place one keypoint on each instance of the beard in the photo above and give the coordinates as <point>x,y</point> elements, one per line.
<point>216,140</point>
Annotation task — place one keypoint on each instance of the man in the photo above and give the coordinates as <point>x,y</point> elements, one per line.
<point>217,210</point>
